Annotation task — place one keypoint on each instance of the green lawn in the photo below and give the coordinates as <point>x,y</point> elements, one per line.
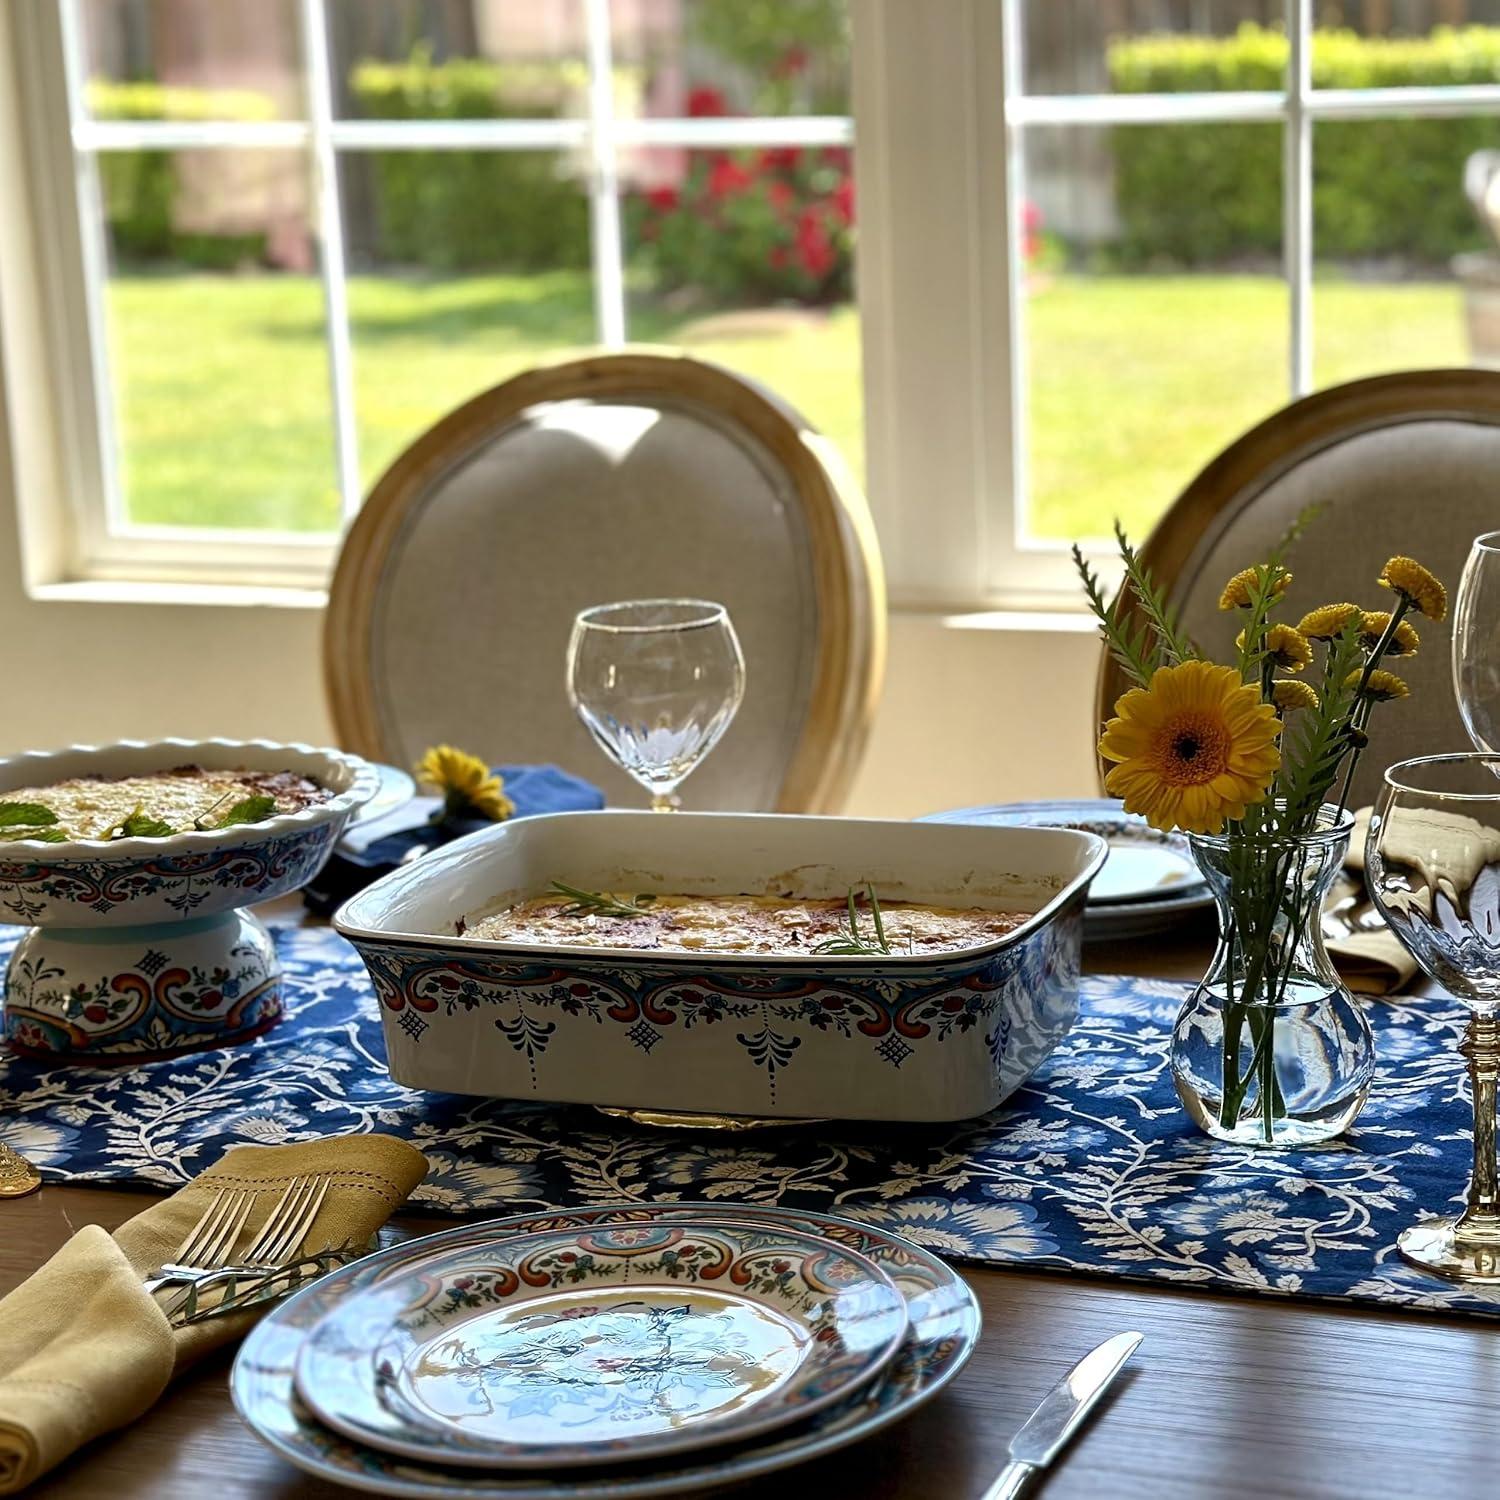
<point>1135,381</point>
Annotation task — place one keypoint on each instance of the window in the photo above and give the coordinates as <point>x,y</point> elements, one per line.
<point>1097,239</point>
<point>304,229</point>
<point>1223,206</point>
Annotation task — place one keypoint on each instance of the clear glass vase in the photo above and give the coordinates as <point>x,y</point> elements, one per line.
<point>1271,1049</point>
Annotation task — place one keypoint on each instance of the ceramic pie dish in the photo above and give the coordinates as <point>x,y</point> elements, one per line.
<point>922,1036</point>
<point>140,946</point>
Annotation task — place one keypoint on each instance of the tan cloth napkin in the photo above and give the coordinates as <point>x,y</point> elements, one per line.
<point>84,1350</point>
<point>1372,962</point>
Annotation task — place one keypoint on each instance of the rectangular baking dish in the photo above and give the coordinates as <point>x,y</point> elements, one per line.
<point>924,1037</point>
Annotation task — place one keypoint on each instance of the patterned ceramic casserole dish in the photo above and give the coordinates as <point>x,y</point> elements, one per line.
<point>140,946</point>
<point>928,1037</point>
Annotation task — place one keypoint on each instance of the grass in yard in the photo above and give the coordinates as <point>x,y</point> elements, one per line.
<point>223,405</point>
<point>1135,382</point>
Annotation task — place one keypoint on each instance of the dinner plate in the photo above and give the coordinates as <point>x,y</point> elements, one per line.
<point>1150,880</point>
<point>601,1344</point>
<point>942,1332</point>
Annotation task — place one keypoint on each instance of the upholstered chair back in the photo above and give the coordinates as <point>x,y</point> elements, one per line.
<point>1405,463</point>
<point>637,475</point>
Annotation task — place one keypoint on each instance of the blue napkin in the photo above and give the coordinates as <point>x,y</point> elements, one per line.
<point>372,849</point>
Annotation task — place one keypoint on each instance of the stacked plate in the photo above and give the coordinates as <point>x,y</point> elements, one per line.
<point>1148,884</point>
<point>620,1351</point>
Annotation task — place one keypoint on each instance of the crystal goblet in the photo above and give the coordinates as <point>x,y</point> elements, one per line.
<point>1433,867</point>
<point>656,682</point>
<point>1476,643</point>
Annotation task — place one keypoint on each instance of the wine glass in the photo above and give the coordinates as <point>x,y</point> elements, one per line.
<point>656,682</point>
<point>1433,866</point>
<point>1476,642</point>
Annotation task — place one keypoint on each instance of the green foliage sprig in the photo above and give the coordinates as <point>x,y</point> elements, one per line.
<point>601,903</point>
<point>29,820</point>
<point>855,944</point>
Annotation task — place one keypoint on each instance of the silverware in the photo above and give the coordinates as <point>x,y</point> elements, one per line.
<point>17,1175</point>
<point>1061,1413</point>
<point>208,1248</point>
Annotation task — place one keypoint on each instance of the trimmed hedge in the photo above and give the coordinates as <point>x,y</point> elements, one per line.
<point>451,210</point>
<point>1196,194</point>
<point>140,188</point>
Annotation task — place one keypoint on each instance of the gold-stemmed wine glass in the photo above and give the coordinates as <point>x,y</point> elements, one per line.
<point>1433,866</point>
<point>656,682</point>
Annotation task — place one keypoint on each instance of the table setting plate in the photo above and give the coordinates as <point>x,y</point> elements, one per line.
<point>1149,881</point>
<point>603,1344</point>
<point>942,1332</point>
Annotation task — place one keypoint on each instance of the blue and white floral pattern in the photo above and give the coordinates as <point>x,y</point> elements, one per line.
<point>1091,1166</point>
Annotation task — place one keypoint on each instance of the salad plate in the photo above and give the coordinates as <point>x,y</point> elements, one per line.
<point>943,1330</point>
<point>601,1344</point>
<point>1149,881</point>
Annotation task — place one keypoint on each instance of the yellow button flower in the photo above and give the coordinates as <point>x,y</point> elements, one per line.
<point>468,786</point>
<point>1327,621</point>
<point>1382,687</point>
<point>1238,591</point>
<point>1376,622</point>
<point>1194,749</point>
<point>1416,585</point>
<point>1285,645</point>
<point>1288,696</point>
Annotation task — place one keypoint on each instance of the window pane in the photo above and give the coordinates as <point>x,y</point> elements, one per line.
<point>1156,315</point>
<point>746,258</point>
<point>216,342</point>
<point>465,268</point>
<point>1151,47</point>
<point>729,57</point>
<point>185,60</point>
<point>1406,277</point>
<point>459,59</point>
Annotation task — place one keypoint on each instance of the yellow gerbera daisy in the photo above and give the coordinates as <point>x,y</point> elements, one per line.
<point>1416,585</point>
<point>467,784</point>
<point>1382,686</point>
<point>1237,592</point>
<point>1288,696</point>
<point>1285,645</point>
<point>1328,620</point>
<point>1195,748</point>
<point>1375,624</point>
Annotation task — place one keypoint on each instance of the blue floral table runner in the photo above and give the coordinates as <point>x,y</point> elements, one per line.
<point>1092,1167</point>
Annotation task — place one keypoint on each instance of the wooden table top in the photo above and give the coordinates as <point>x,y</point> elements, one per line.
<point>1227,1396</point>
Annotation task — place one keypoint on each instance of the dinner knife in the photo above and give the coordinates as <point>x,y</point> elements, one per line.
<point>1063,1410</point>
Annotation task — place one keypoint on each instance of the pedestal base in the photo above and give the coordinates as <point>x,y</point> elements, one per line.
<point>125,994</point>
<point>1434,1245</point>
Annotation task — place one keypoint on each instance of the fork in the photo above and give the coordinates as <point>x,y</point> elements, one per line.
<point>207,1247</point>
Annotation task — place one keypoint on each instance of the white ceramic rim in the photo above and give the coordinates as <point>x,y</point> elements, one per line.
<point>571,953</point>
<point>749,1463</point>
<point>364,781</point>
<point>525,1458</point>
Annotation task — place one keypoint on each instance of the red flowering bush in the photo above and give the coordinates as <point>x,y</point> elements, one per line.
<point>770,224</point>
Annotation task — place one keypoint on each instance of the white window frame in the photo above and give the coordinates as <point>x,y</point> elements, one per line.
<point>939,110</point>
<point>945,318</point>
<point>65,145</point>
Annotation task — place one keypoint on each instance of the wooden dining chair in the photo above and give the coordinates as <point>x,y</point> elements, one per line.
<point>1406,463</point>
<point>639,474</point>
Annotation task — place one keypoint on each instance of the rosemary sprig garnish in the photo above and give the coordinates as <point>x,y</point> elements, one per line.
<point>600,903</point>
<point>856,944</point>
